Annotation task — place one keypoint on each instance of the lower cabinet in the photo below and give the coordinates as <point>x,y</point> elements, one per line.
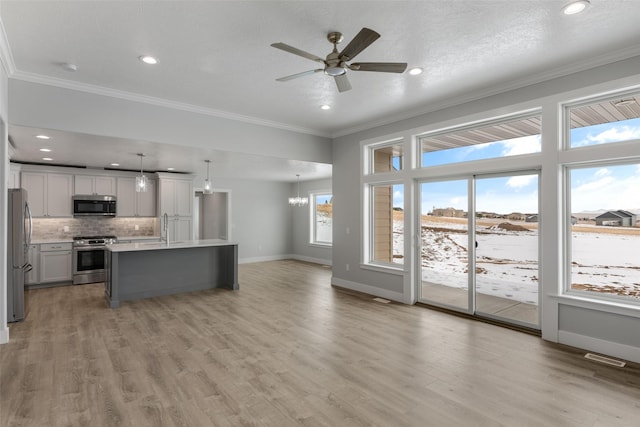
<point>33,276</point>
<point>179,228</point>
<point>55,263</point>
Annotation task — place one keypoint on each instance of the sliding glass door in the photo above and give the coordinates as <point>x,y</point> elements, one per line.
<point>444,254</point>
<point>479,246</point>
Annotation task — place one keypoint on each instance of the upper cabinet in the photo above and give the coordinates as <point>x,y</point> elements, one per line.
<point>49,194</point>
<point>176,196</point>
<point>14,176</point>
<point>89,184</point>
<point>130,203</point>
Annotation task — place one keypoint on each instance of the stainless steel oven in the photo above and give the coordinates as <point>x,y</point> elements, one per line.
<point>88,258</point>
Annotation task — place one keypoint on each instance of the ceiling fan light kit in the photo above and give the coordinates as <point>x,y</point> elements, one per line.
<point>335,64</point>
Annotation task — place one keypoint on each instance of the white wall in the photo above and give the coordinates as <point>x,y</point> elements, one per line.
<point>597,326</point>
<point>4,169</point>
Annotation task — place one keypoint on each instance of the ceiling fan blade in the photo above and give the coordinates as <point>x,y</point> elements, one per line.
<point>385,67</point>
<point>295,76</point>
<point>359,43</point>
<point>296,51</point>
<point>342,81</point>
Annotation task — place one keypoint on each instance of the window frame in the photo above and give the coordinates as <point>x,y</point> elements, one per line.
<point>371,148</point>
<point>477,125</point>
<point>592,100</point>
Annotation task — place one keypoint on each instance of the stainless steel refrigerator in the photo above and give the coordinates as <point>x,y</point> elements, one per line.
<point>18,243</point>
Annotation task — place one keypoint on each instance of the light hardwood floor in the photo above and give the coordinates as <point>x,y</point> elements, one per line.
<point>287,349</point>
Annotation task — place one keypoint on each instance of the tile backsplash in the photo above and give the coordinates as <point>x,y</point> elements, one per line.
<point>54,228</point>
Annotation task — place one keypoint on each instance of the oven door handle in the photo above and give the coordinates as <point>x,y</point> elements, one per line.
<point>88,248</point>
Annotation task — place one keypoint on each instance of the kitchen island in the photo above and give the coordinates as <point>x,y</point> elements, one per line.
<point>144,270</point>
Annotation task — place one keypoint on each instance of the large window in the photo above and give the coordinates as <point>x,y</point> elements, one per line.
<point>321,218</point>
<point>604,122</point>
<point>603,238</point>
<point>604,230</point>
<point>387,224</point>
<point>500,139</point>
<point>387,157</point>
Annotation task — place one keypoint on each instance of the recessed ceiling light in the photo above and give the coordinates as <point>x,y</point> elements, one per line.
<point>325,107</point>
<point>46,150</point>
<point>43,137</point>
<point>115,164</point>
<point>415,71</point>
<point>47,158</point>
<point>171,169</point>
<point>148,60</point>
<point>575,7</point>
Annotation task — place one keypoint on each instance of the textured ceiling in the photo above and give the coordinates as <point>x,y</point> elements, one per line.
<point>216,55</point>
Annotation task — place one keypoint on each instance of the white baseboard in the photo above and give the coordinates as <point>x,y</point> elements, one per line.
<point>4,335</point>
<point>608,348</point>
<point>263,259</point>
<point>285,256</point>
<point>368,289</point>
<point>311,259</point>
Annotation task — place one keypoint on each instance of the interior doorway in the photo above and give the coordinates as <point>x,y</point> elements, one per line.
<point>480,246</point>
<point>213,213</point>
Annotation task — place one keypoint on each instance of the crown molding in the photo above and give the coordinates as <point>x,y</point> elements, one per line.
<point>576,67</point>
<point>160,102</point>
<point>6,58</point>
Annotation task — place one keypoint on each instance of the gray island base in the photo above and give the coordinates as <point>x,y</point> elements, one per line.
<point>146,270</point>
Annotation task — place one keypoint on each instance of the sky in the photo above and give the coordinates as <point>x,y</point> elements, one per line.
<point>599,188</point>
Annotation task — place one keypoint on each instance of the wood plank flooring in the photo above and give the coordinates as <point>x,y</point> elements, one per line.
<point>288,349</point>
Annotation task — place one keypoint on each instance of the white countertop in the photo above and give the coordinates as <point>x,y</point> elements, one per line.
<point>49,241</point>
<point>153,246</point>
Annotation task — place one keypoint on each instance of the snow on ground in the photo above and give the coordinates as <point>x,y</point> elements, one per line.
<point>506,261</point>
<point>324,227</point>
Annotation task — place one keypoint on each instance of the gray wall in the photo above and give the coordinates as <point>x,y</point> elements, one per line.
<point>4,166</point>
<point>301,249</point>
<point>260,218</point>
<point>48,107</point>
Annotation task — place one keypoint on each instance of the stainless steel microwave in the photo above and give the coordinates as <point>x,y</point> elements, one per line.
<point>92,205</point>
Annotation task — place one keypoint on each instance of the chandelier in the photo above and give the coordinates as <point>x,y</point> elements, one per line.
<point>298,201</point>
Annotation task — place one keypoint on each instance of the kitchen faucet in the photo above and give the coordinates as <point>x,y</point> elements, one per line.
<point>165,227</point>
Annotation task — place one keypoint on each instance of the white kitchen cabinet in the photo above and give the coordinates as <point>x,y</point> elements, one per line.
<point>176,200</point>
<point>176,196</point>
<point>55,262</point>
<point>33,276</point>
<point>147,201</point>
<point>180,228</point>
<point>131,203</point>
<point>99,185</point>
<point>49,194</point>
<point>14,176</point>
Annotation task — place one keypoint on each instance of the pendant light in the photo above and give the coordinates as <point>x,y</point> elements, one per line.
<point>208,188</point>
<point>298,201</point>
<point>141,180</point>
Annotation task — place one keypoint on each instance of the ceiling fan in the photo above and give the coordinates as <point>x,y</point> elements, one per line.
<point>335,64</point>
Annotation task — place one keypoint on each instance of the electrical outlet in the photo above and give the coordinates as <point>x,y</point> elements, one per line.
<point>136,227</point>
<point>347,267</point>
<point>348,230</point>
<point>66,228</point>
